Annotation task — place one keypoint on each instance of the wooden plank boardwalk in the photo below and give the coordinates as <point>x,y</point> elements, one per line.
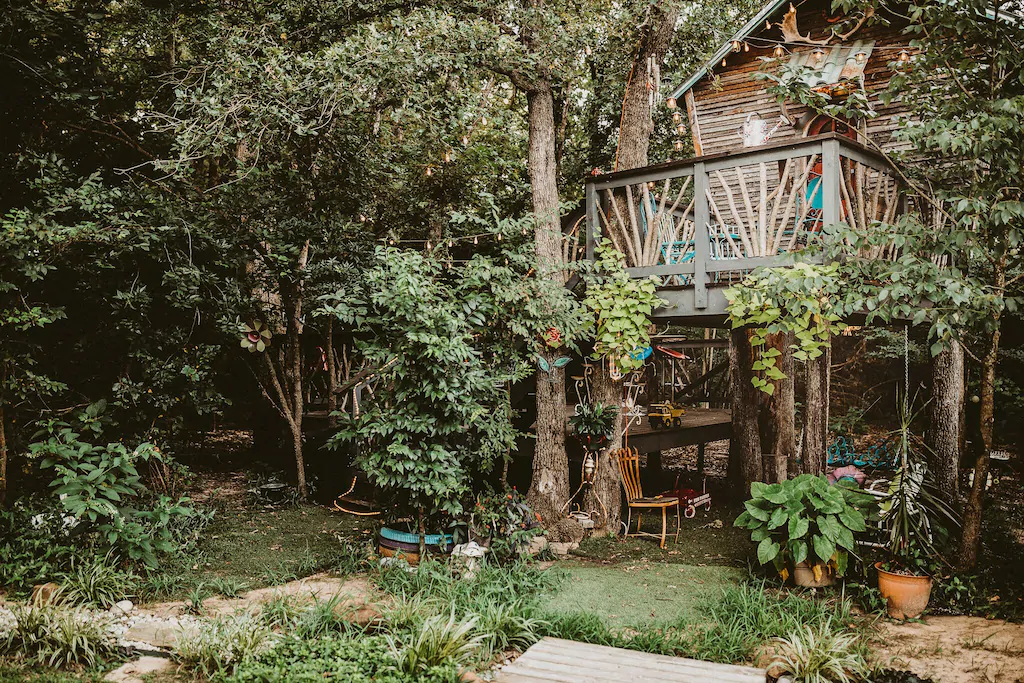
<point>566,661</point>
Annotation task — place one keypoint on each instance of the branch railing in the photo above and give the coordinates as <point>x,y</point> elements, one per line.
<point>711,219</point>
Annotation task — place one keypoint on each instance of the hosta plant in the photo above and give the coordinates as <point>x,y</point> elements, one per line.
<point>804,520</point>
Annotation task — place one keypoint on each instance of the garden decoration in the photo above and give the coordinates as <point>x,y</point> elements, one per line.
<point>256,336</point>
<point>672,353</point>
<point>593,424</point>
<point>848,473</point>
<point>632,411</point>
<point>629,471</point>
<point>879,456</point>
<point>395,543</point>
<point>665,414</point>
<point>804,527</point>
<point>366,507</point>
<point>559,362</point>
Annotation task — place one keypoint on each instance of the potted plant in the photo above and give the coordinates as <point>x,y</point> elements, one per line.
<point>594,423</point>
<point>804,527</point>
<point>915,521</point>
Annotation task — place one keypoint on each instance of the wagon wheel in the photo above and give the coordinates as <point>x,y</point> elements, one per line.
<point>689,512</point>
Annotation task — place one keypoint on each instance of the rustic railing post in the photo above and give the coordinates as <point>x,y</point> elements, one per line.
<point>830,179</point>
<point>701,237</point>
<point>592,219</point>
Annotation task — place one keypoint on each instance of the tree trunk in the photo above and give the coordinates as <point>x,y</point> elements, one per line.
<point>745,444</point>
<point>605,495</point>
<point>779,428</point>
<point>3,457</point>
<point>970,541</point>
<point>637,125</point>
<point>549,486</point>
<point>943,437</point>
<point>816,408</point>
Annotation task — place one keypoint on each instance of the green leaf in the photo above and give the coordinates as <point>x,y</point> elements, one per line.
<point>823,548</point>
<point>798,526</point>
<point>777,519</point>
<point>767,550</point>
<point>852,519</point>
<point>799,550</point>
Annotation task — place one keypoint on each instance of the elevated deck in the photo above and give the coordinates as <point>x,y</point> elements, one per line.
<point>566,661</point>
<point>700,225</point>
<point>699,426</point>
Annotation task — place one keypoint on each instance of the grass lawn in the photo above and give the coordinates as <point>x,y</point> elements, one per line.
<point>639,594</point>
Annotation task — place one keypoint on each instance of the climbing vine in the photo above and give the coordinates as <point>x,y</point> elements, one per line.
<point>622,308</point>
<point>800,299</point>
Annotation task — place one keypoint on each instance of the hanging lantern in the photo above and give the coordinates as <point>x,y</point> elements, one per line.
<point>681,129</point>
<point>779,52</point>
<point>671,103</point>
<point>651,185</point>
<point>736,46</point>
<point>861,56</point>
<point>677,117</point>
<point>678,145</point>
<point>818,54</point>
<point>904,56</point>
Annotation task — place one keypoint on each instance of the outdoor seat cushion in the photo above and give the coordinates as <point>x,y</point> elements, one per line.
<point>664,500</point>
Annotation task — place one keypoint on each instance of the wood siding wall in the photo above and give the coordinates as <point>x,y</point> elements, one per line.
<point>722,102</point>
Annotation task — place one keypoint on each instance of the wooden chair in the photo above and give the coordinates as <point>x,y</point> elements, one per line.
<point>629,469</point>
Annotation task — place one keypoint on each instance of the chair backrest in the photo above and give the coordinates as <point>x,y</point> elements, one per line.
<point>629,469</point>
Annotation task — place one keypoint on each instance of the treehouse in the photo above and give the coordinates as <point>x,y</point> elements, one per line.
<point>768,175</point>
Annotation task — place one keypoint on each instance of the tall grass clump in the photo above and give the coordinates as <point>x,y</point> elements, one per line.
<point>821,656</point>
<point>97,583</point>
<point>439,640</point>
<point>216,648</point>
<point>58,637</point>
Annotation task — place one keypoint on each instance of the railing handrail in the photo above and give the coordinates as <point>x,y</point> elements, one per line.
<point>798,147</point>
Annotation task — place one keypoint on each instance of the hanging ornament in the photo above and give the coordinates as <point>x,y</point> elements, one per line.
<point>257,336</point>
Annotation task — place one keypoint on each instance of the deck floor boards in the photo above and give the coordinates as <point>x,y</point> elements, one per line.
<point>553,660</point>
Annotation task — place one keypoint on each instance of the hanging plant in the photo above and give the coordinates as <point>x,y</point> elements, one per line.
<point>622,308</point>
<point>594,423</point>
<point>799,299</point>
<point>256,336</point>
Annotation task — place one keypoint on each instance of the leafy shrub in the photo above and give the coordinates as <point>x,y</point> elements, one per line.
<point>353,659</point>
<point>507,522</point>
<point>824,656</point>
<point>58,637</point>
<point>33,548</point>
<point>804,519</point>
<point>439,640</point>
<point>217,647</point>
<point>97,583</point>
<point>100,487</point>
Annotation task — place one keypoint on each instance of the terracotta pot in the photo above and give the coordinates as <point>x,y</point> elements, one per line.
<point>803,575</point>
<point>905,596</point>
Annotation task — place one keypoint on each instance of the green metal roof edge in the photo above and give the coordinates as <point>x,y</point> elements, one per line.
<point>743,33</point>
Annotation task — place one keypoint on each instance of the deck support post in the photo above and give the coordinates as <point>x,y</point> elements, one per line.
<point>593,225</point>
<point>701,239</point>
<point>945,416</point>
<point>745,444</point>
<point>816,411</point>
<point>830,179</point>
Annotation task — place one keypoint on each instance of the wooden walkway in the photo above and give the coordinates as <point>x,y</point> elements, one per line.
<point>566,661</point>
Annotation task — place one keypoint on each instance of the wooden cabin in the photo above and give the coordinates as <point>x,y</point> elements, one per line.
<point>768,175</point>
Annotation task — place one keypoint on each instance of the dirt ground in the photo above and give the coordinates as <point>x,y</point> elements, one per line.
<point>956,649</point>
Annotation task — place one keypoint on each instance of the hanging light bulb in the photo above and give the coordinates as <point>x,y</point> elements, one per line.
<point>651,185</point>
<point>525,231</point>
<point>678,145</point>
<point>587,50</point>
<point>447,155</point>
<point>483,120</point>
<point>671,103</point>
<point>451,243</point>
<point>861,56</point>
<point>904,56</point>
<point>428,245</point>
<point>736,46</point>
<point>677,117</point>
<point>681,129</point>
<point>724,60</point>
<point>476,240</point>
<point>430,171</point>
<point>499,236</point>
<point>818,54</point>
<point>778,52</point>
<point>746,47</point>
<point>391,241</point>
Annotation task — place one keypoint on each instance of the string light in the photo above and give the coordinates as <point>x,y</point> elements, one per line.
<point>428,245</point>
<point>483,120</point>
<point>476,240</point>
<point>447,155</point>
<point>671,103</point>
<point>677,117</point>
<point>362,218</point>
<point>904,56</point>
<point>681,129</point>
<point>451,243</point>
<point>499,236</point>
<point>724,60</point>
<point>678,145</point>
<point>778,52</point>
<point>391,241</point>
<point>736,46</point>
<point>587,51</point>
<point>465,141</point>
<point>525,231</point>
<point>746,47</point>
<point>861,56</point>
<point>818,54</point>
<point>430,171</point>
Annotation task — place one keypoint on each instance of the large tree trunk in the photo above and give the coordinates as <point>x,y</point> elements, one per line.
<point>745,444</point>
<point>816,408</point>
<point>944,416</point>
<point>970,541</point>
<point>637,124</point>
<point>549,486</point>
<point>779,420</point>
<point>605,496</point>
